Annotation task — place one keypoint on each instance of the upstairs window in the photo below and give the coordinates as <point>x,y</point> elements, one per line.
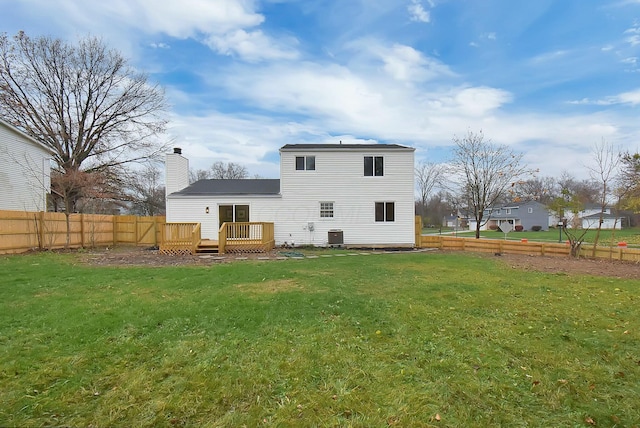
<point>385,211</point>
<point>305,163</point>
<point>373,166</point>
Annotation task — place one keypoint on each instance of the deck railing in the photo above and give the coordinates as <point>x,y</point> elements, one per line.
<point>246,237</point>
<point>179,238</point>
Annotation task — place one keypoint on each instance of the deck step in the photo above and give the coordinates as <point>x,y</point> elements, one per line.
<point>207,248</point>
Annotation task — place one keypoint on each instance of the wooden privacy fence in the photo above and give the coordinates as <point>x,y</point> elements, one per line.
<point>522,247</point>
<point>22,231</point>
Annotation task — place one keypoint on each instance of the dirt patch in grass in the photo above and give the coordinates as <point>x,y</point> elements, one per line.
<point>133,256</point>
<point>596,267</point>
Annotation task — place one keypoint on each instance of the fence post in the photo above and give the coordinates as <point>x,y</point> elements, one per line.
<point>115,230</point>
<point>155,231</point>
<point>135,230</point>
<point>81,230</point>
<point>41,229</point>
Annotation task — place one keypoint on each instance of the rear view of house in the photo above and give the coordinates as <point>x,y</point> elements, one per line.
<point>25,171</point>
<point>327,194</point>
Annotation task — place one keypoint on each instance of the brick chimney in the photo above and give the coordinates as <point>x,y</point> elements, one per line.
<point>176,171</point>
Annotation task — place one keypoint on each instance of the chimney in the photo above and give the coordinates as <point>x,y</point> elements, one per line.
<point>176,171</point>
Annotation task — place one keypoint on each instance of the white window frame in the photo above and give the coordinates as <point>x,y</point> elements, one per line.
<point>326,210</point>
<point>385,218</point>
<point>306,163</point>
<point>374,160</point>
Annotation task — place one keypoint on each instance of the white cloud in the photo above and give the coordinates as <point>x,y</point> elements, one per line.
<point>182,19</point>
<point>479,101</point>
<point>634,38</point>
<point>418,13</point>
<point>185,18</point>
<point>549,56</point>
<point>631,97</point>
<point>401,62</point>
<point>252,46</point>
<point>407,64</point>
<point>160,46</point>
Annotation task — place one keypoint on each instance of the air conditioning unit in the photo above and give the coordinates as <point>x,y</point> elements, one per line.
<point>335,238</point>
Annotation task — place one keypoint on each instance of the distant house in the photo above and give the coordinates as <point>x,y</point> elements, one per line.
<point>526,214</point>
<point>25,171</point>
<point>457,220</point>
<point>590,217</point>
<point>351,194</point>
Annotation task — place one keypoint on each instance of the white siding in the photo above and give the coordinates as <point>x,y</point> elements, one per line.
<point>177,173</point>
<point>190,209</point>
<point>25,171</point>
<point>339,178</point>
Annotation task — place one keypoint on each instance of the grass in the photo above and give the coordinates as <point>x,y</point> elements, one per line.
<point>422,339</point>
<point>629,235</point>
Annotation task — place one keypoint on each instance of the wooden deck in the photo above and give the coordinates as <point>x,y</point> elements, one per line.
<point>245,237</point>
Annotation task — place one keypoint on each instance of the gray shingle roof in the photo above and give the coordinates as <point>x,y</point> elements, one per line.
<point>288,147</point>
<point>260,186</point>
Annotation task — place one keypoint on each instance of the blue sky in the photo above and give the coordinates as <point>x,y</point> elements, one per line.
<point>548,78</point>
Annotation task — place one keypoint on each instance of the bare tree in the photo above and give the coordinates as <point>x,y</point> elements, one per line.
<point>428,176</point>
<point>606,159</point>
<point>585,191</point>
<point>629,187</point>
<point>569,202</point>
<point>198,174</point>
<point>221,171</point>
<point>484,172</point>
<point>535,189</point>
<point>84,101</point>
<point>228,171</point>
<point>145,191</point>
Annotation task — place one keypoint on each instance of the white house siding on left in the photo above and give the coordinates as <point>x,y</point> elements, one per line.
<point>25,171</point>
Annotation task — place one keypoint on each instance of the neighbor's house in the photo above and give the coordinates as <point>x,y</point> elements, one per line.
<point>25,171</point>
<point>590,217</point>
<point>526,214</point>
<point>350,194</point>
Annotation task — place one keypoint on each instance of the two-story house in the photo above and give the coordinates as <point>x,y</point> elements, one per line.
<point>362,195</point>
<point>526,214</point>
<point>592,214</point>
<point>25,171</point>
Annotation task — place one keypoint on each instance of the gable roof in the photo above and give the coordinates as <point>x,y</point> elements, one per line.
<point>27,137</point>
<point>604,215</point>
<point>354,147</point>
<point>243,186</point>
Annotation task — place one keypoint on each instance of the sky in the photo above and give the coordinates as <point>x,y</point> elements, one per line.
<point>548,78</point>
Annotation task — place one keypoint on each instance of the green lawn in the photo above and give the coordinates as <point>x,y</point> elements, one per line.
<point>362,341</point>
